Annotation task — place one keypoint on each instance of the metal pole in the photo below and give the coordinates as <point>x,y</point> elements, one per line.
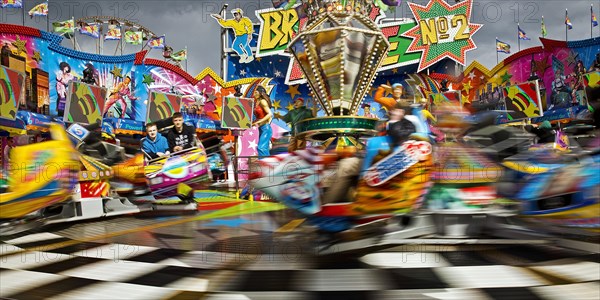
<point>122,35</point>
<point>518,37</point>
<point>23,14</point>
<point>566,26</point>
<point>223,39</point>
<point>497,62</point>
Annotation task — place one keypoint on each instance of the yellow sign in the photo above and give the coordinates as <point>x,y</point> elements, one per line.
<point>277,30</point>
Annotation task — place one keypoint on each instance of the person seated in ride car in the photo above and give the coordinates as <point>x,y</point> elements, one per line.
<point>181,136</point>
<point>155,144</point>
<point>398,128</point>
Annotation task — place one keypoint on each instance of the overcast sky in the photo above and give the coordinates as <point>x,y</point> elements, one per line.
<point>187,23</point>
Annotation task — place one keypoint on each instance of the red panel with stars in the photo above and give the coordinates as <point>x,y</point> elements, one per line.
<point>94,189</point>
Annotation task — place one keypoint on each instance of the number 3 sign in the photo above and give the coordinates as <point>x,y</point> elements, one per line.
<point>443,31</point>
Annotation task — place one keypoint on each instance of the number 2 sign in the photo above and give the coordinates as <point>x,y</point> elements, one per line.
<point>443,31</point>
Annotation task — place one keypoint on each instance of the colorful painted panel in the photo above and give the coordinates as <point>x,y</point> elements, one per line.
<point>162,106</point>
<point>12,90</point>
<point>449,97</point>
<point>237,113</point>
<point>85,103</point>
<point>523,101</point>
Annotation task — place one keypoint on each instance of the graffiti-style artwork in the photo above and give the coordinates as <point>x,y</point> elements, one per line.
<point>523,101</point>
<point>84,104</point>
<point>162,106</point>
<point>447,97</point>
<point>237,113</point>
<point>12,91</point>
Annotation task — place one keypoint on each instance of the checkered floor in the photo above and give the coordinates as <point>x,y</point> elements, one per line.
<point>90,270</point>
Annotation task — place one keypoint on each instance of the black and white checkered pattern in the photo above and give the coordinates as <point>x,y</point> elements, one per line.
<point>91,270</point>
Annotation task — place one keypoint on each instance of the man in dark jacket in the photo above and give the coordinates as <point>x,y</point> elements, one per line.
<point>181,136</point>
<point>399,128</point>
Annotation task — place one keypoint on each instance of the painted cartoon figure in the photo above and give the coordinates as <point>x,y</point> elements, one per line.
<point>560,90</point>
<point>243,29</point>
<point>397,96</point>
<point>62,82</point>
<point>118,94</point>
<point>263,117</point>
<point>91,75</point>
<point>578,85</point>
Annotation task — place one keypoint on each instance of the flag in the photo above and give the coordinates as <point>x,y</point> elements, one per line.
<point>544,32</point>
<point>92,30</point>
<point>133,37</point>
<point>11,3</point>
<point>66,28</point>
<point>522,34</point>
<point>594,20</point>
<point>568,21</point>
<point>179,55</point>
<point>157,42</point>
<point>114,33</point>
<point>39,10</point>
<point>502,47</point>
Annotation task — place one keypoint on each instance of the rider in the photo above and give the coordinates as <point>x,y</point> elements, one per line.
<point>339,185</point>
<point>181,136</point>
<point>398,127</point>
<point>155,144</point>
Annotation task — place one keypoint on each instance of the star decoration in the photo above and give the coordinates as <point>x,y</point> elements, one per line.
<point>218,110</point>
<point>388,90</point>
<point>482,77</point>
<point>372,91</point>
<point>116,72</point>
<point>217,88</point>
<point>243,72</point>
<point>506,77</point>
<point>20,44</point>
<point>465,99</point>
<point>252,145</point>
<point>251,132</point>
<point>467,86</point>
<point>471,75</point>
<point>148,79</point>
<point>36,56</point>
<point>289,107</point>
<point>277,73</point>
<point>258,59</point>
<point>572,58</point>
<point>447,48</point>
<point>293,91</point>
<point>394,70</point>
<point>277,104</point>
<point>211,98</point>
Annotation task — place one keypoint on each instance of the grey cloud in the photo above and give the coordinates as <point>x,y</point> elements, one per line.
<point>187,23</point>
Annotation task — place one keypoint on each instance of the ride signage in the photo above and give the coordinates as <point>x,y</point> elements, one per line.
<point>279,26</point>
<point>442,31</point>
